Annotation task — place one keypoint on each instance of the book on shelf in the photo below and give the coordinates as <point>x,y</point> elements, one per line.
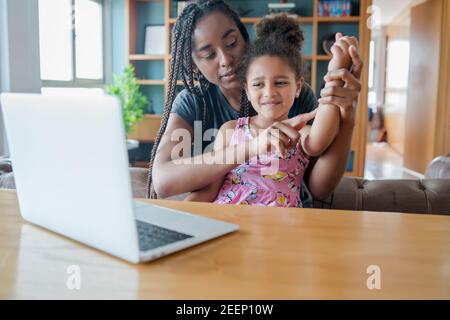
<point>281,5</point>
<point>335,8</point>
<point>288,8</point>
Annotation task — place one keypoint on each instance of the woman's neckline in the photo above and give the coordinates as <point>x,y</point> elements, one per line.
<point>229,105</point>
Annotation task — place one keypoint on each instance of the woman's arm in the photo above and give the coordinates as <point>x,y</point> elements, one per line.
<point>324,173</point>
<point>317,138</point>
<point>172,177</point>
<point>209,193</point>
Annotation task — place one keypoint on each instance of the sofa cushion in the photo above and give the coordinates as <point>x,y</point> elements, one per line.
<point>7,181</point>
<point>439,168</point>
<point>398,195</point>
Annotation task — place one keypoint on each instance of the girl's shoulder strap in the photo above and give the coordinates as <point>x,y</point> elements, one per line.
<point>242,122</point>
<point>241,132</point>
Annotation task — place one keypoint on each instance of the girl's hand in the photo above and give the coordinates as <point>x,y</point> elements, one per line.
<point>341,57</point>
<point>280,135</point>
<point>346,97</point>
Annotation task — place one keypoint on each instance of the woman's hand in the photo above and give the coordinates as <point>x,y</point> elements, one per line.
<point>346,97</point>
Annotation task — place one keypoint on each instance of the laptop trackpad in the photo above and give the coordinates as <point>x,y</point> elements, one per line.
<point>165,217</point>
<point>180,221</point>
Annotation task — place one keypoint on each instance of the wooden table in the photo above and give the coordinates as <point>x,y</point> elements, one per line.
<point>277,254</point>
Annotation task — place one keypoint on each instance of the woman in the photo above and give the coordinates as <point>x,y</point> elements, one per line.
<point>208,41</point>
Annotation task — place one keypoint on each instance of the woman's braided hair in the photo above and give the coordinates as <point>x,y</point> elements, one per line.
<point>182,65</point>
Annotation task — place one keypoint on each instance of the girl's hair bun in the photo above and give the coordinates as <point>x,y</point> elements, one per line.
<point>281,27</point>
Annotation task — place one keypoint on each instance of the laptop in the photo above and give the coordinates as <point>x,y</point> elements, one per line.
<point>70,164</point>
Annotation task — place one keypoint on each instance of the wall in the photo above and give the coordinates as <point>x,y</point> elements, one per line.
<point>427,85</point>
<point>118,35</point>
<point>442,143</point>
<point>395,116</point>
<point>379,38</point>
<point>3,70</point>
<point>23,45</point>
<point>19,49</point>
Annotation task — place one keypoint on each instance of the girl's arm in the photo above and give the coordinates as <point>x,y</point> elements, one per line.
<point>326,123</point>
<point>209,193</point>
<point>323,174</point>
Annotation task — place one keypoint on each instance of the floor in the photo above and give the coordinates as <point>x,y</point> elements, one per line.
<point>383,162</point>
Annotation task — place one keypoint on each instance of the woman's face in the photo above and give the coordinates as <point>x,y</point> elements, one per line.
<point>272,87</point>
<point>218,46</point>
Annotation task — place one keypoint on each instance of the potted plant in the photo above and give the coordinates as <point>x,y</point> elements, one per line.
<point>133,102</point>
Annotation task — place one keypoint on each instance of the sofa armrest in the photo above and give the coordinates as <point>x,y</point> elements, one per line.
<point>5,165</point>
<point>6,175</point>
<point>138,177</point>
<point>7,181</point>
<point>429,196</point>
<point>439,168</point>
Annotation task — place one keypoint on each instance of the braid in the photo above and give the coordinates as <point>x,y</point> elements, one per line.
<point>177,47</point>
<point>181,65</point>
<point>246,108</point>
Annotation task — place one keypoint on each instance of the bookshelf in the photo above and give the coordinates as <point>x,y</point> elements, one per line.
<point>152,70</point>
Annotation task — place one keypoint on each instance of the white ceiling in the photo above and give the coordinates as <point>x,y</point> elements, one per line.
<point>390,9</point>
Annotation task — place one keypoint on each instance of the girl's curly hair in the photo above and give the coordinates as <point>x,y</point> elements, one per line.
<point>277,36</point>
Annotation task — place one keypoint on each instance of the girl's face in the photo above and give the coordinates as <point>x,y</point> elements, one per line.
<point>271,87</point>
<point>217,49</point>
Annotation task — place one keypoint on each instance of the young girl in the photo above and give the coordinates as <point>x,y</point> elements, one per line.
<point>271,72</point>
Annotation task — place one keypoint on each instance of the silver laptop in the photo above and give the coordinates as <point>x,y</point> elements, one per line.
<point>70,164</point>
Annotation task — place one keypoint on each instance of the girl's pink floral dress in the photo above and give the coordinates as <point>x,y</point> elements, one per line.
<point>266,180</point>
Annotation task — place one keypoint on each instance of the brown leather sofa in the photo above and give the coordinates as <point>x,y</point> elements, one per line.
<point>428,196</point>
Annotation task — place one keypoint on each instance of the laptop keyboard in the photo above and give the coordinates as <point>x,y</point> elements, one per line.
<point>152,236</point>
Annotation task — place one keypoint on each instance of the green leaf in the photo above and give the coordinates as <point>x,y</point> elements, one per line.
<point>133,102</point>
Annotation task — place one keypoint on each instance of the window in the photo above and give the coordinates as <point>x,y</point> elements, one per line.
<point>71,41</point>
<point>397,64</point>
<point>397,70</point>
<point>372,92</point>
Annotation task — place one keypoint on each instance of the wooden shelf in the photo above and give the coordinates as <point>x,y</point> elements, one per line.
<point>141,164</point>
<point>146,82</point>
<point>152,116</point>
<point>146,129</point>
<point>323,57</point>
<point>143,57</point>
<point>338,19</point>
<point>249,20</point>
